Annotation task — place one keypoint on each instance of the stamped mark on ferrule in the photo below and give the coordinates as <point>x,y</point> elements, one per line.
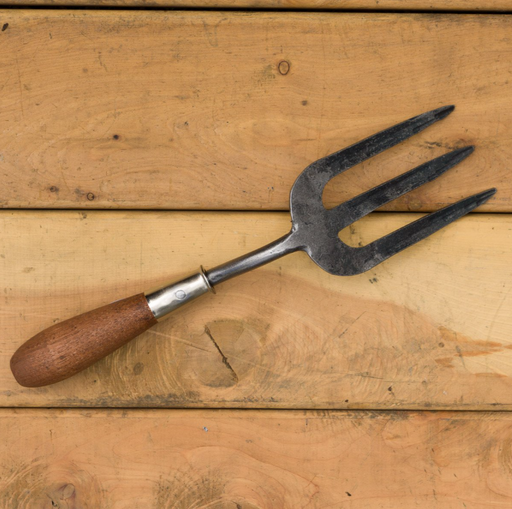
<point>180,294</point>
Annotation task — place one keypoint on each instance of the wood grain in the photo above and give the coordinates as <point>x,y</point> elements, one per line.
<point>120,109</point>
<point>374,5</point>
<point>68,347</point>
<point>253,459</point>
<point>429,328</point>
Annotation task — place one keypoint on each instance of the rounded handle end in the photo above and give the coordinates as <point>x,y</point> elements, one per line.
<point>68,347</point>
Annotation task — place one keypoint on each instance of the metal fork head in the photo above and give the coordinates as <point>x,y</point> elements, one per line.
<point>315,229</point>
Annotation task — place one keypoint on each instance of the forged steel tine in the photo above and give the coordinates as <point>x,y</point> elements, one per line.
<point>361,205</point>
<point>387,246</point>
<point>323,170</point>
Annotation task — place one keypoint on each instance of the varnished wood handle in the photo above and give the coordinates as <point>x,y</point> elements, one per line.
<point>73,345</point>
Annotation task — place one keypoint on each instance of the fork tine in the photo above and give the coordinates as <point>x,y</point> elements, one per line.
<point>324,169</point>
<point>361,205</point>
<point>387,246</point>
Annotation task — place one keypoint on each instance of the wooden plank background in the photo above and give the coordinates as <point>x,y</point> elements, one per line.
<point>373,5</point>
<point>160,110</point>
<point>254,459</point>
<point>429,328</point>
<point>289,388</point>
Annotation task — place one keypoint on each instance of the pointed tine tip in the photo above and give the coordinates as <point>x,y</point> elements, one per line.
<point>422,121</point>
<point>467,150</point>
<point>458,155</point>
<point>482,197</point>
<point>443,111</point>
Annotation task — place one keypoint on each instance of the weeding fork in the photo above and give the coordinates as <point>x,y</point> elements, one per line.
<point>71,346</point>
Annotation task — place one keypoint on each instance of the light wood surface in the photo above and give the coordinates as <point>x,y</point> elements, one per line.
<point>254,459</point>
<point>221,110</point>
<point>429,328</point>
<point>374,5</point>
<point>130,109</point>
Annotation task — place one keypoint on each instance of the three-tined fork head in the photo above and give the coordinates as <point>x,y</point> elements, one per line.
<point>315,229</point>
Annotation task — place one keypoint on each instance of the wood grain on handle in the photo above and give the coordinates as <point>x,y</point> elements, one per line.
<point>75,344</point>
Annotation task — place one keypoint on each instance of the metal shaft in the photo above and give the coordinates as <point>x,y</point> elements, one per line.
<point>172,296</point>
<point>280,247</point>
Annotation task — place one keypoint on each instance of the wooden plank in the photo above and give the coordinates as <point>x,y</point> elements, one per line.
<point>429,328</point>
<point>183,459</point>
<point>374,5</point>
<point>222,110</point>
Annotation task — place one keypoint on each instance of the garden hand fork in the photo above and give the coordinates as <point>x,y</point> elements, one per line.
<point>71,346</point>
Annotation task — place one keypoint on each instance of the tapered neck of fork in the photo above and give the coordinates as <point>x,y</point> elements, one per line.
<point>285,245</point>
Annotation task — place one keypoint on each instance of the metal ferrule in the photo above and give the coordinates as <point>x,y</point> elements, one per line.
<point>170,297</point>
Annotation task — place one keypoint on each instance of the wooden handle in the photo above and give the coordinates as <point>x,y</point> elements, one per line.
<point>73,345</point>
